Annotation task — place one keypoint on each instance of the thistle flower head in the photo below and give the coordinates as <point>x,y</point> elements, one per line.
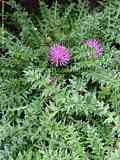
<point>59,55</point>
<point>93,43</point>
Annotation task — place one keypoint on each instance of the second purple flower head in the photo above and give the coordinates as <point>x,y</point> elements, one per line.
<point>93,43</point>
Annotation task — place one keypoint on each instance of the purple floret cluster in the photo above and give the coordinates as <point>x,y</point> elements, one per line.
<point>93,43</point>
<point>59,55</point>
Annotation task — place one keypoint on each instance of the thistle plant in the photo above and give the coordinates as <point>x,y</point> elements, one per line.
<point>56,100</point>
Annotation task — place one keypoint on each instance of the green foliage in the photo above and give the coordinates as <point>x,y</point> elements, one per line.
<point>76,116</point>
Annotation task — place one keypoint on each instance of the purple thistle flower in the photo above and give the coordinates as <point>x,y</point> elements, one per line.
<point>93,43</point>
<point>59,55</point>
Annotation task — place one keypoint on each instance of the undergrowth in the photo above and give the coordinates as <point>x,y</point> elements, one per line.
<point>77,116</point>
